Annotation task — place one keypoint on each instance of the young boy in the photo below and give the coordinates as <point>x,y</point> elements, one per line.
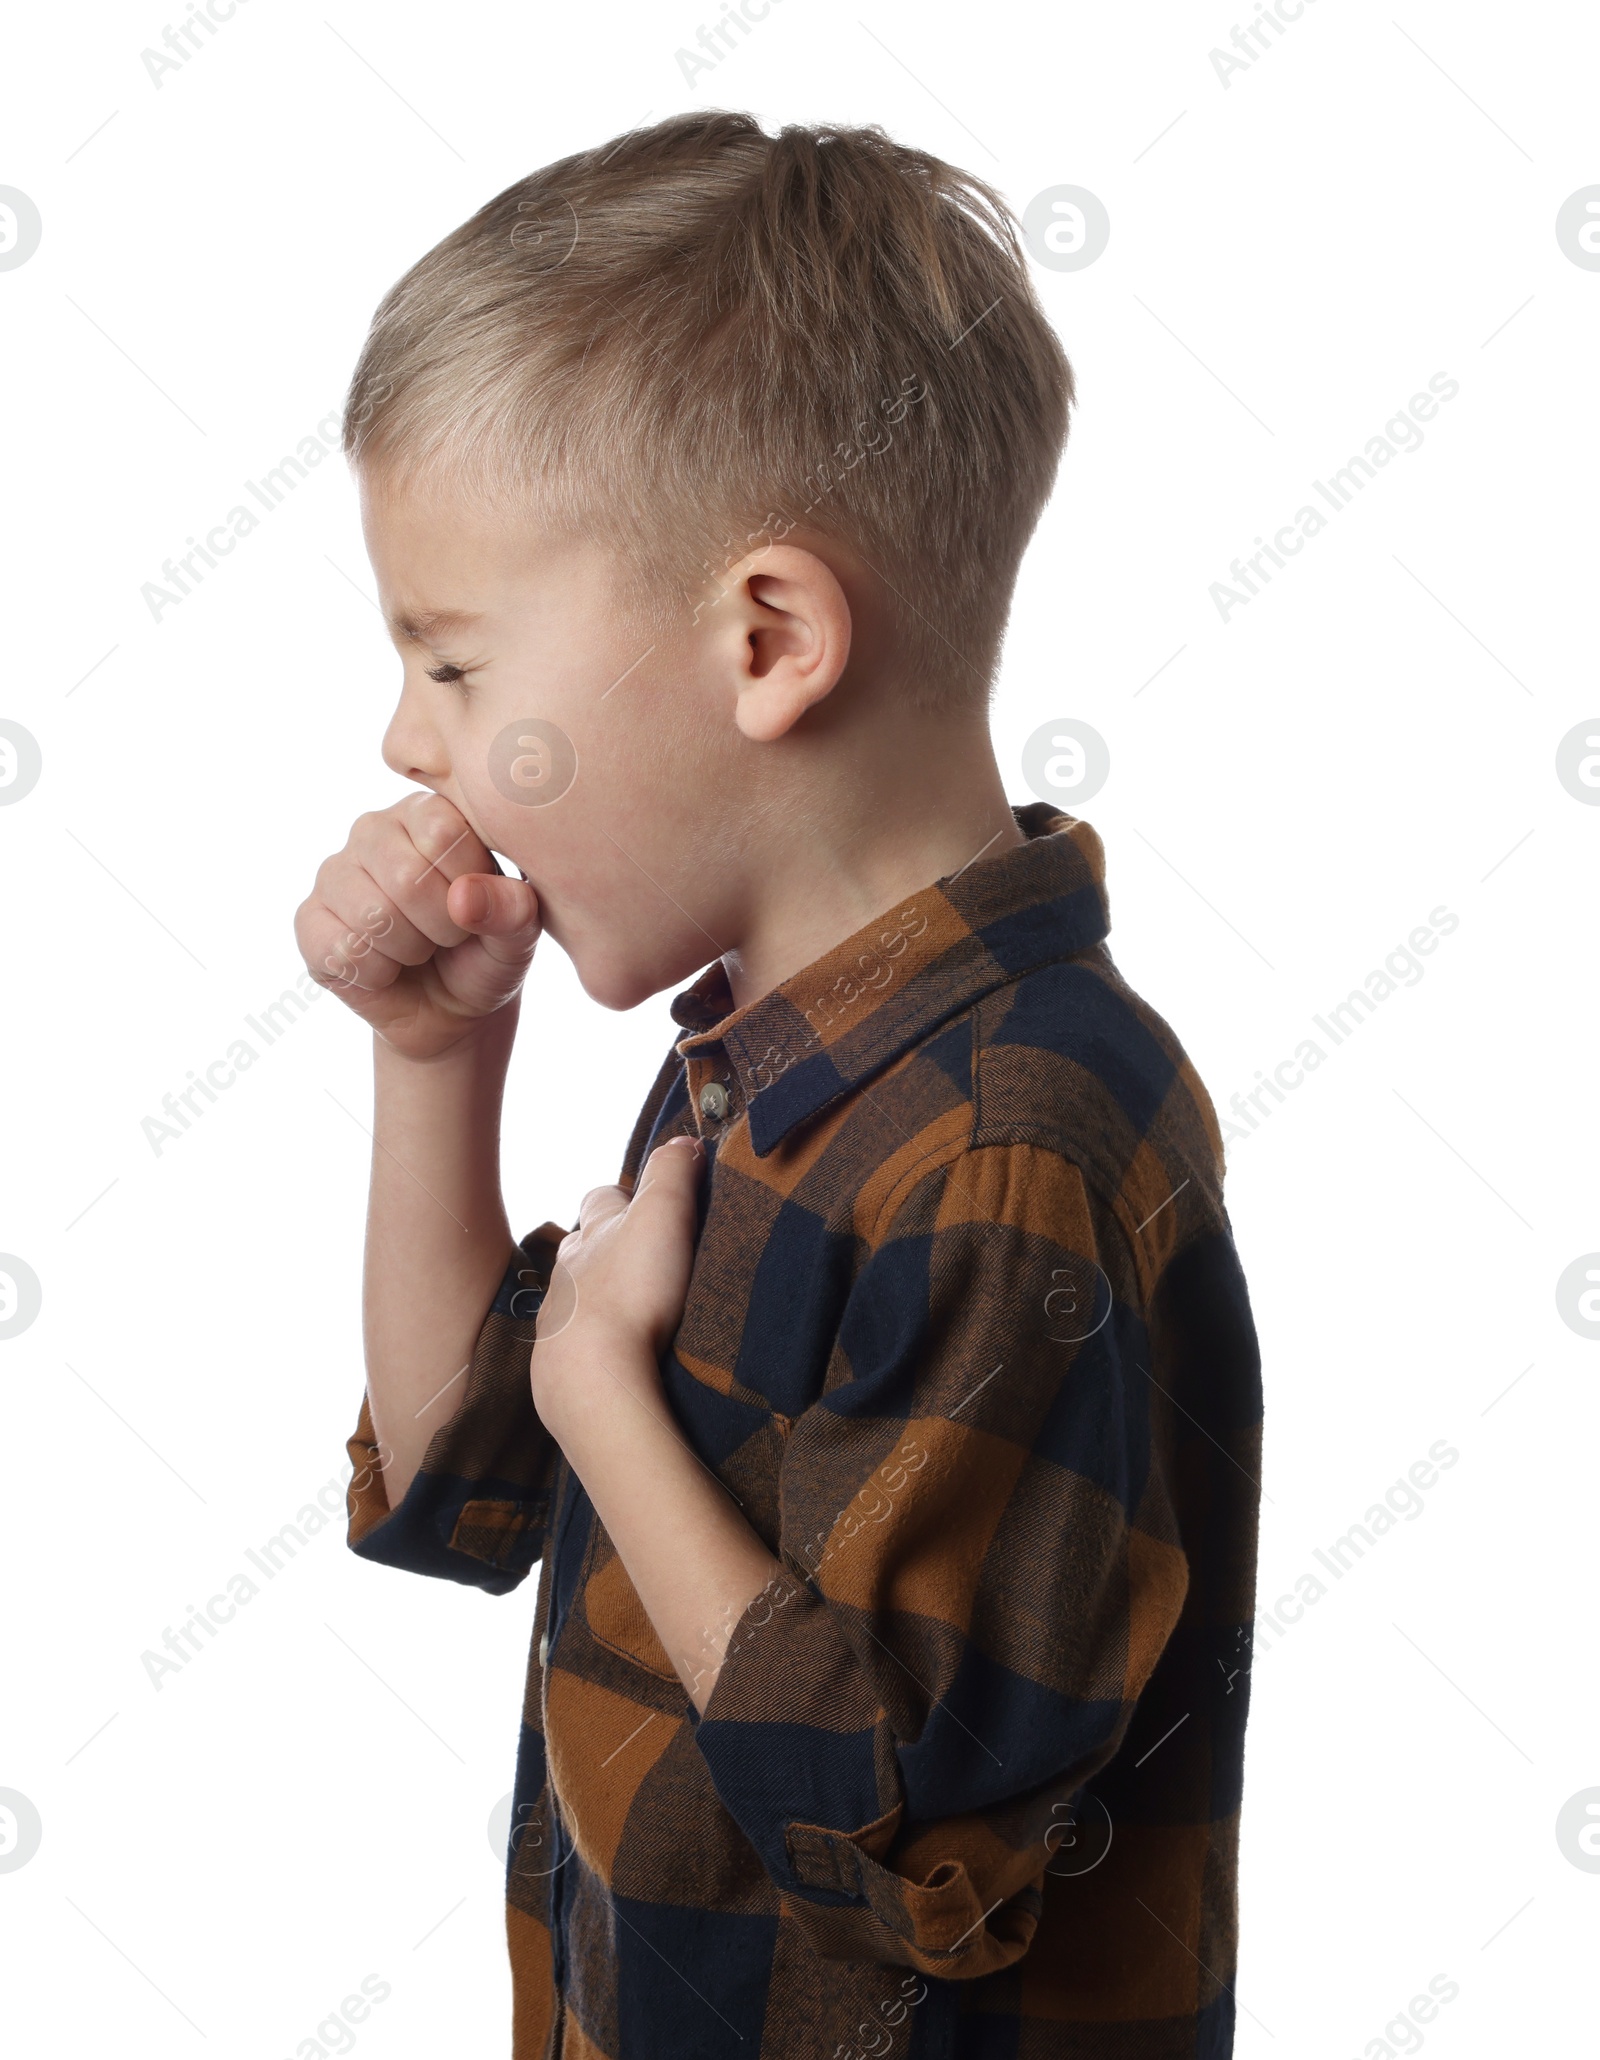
<point>888,1436</point>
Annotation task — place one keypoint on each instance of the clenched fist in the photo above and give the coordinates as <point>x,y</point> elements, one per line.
<point>415,928</point>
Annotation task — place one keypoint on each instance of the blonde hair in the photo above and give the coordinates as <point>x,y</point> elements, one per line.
<point>698,338</point>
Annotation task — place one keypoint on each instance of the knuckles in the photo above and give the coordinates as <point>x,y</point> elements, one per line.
<point>433,824</point>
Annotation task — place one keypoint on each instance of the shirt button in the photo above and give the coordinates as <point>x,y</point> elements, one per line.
<point>544,1647</point>
<point>714,1100</point>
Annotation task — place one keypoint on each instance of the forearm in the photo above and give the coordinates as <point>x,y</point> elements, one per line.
<point>693,1560</point>
<point>438,1238</point>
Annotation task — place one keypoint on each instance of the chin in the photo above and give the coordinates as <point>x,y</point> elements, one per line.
<point>617,981</point>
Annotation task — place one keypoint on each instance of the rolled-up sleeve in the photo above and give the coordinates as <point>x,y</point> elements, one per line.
<point>476,1509</point>
<point>983,1569</point>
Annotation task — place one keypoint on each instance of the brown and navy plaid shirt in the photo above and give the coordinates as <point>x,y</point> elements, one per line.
<point>967,1338</point>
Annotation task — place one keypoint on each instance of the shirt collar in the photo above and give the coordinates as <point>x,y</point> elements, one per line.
<point>866,1001</point>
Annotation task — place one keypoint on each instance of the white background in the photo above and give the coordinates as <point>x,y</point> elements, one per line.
<point>1292,791</point>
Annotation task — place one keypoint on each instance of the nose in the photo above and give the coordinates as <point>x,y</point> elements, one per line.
<point>413,747</point>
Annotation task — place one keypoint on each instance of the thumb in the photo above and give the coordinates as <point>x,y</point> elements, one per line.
<point>492,904</point>
<point>501,919</point>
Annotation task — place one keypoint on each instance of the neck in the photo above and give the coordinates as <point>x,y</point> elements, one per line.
<point>867,838</point>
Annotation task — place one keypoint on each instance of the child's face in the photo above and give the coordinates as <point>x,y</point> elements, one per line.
<point>594,762</point>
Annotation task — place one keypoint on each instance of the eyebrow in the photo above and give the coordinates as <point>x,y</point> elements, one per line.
<point>426,625</point>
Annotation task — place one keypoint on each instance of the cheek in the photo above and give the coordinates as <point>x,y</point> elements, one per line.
<point>517,781</point>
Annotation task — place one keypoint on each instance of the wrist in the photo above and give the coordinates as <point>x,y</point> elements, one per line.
<point>484,1046</point>
<point>592,1380</point>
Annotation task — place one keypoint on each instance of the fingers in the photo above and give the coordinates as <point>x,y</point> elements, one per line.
<point>598,1206</point>
<point>671,1175</point>
<point>337,955</point>
<point>370,920</point>
<point>381,928</point>
<point>446,844</point>
<point>413,852</point>
<point>680,1159</point>
<point>628,1258</point>
<point>502,927</point>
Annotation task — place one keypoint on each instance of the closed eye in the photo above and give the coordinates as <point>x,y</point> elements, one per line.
<point>449,675</point>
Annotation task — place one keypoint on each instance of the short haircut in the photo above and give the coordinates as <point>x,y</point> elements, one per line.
<point>698,337</point>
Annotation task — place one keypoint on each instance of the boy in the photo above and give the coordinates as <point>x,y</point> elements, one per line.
<point>887,1437</point>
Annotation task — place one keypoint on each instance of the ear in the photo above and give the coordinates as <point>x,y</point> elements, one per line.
<point>781,635</point>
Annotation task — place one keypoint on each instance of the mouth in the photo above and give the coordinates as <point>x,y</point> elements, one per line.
<point>503,860</point>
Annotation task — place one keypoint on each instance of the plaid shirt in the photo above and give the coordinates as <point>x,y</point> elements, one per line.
<point>967,1338</point>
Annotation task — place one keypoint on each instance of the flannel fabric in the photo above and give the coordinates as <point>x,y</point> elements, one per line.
<point>967,1337</point>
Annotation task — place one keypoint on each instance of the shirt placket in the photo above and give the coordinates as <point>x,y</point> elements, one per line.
<point>716,1093</point>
